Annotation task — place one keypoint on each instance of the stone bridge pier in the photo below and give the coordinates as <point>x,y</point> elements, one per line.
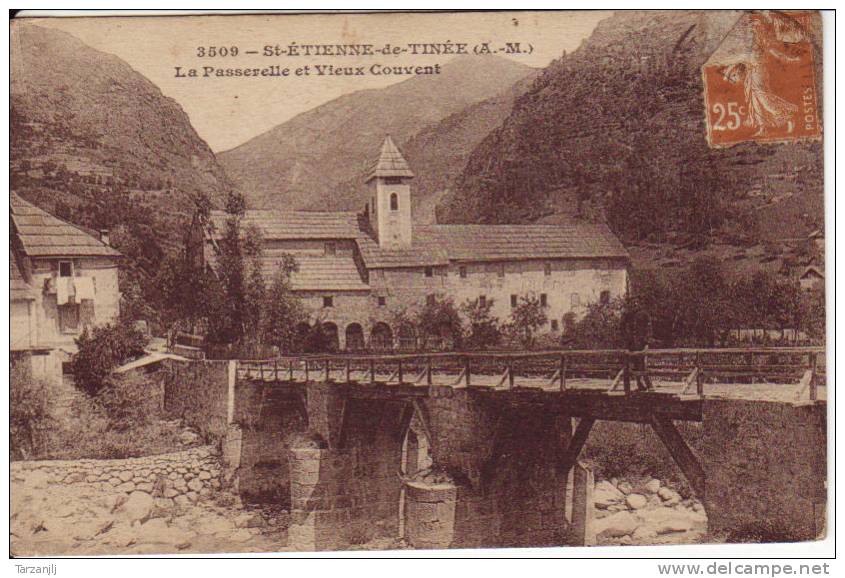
<point>333,453</point>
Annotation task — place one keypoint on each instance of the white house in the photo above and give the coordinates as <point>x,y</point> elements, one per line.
<point>63,278</point>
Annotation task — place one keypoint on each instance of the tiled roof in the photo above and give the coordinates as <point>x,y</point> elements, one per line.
<point>439,244</point>
<point>293,224</point>
<point>422,253</point>
<point>316,273</point>
<point>390,162</point>
<point>43,235</point>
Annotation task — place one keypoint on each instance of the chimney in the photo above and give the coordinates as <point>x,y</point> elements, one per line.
<point>104,236</point>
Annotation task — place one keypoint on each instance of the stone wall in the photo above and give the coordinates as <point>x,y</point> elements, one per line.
<point>175,478</point>
<point>198,392</point>
<point>347,493</point>
<point>504,460</point>
<point>765,465</point>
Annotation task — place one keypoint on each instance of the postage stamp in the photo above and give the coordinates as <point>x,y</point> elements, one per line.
<point>760,84</point>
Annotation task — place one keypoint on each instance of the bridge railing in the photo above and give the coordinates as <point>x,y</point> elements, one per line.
<point>626,371</point>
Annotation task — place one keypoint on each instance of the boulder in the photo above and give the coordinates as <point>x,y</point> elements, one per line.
<point>241,535</point>
<point>669,496</point>
<point>636,501</point>
<point>652,486</point>
<point>195,485</point>
<point>250,520</point>
<point>625,487</point>
<point>605,495</point>
<point>643,534</point>
<point>615,526</point>
<point>125,476</point>
<point>138,507</point>
<point>188,437</point>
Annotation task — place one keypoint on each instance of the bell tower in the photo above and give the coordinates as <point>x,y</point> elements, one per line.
<point>390,197</point>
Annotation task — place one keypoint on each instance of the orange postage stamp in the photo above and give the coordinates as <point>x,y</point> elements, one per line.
<point>760,84</point>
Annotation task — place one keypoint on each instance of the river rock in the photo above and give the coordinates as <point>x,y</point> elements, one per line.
<point>669,496</point>
<point>652,486</point>
<point>636,501</point>
<point>625,487</point>
<point>615,526</point>
<point>138,507</point>
<point>605,495</point>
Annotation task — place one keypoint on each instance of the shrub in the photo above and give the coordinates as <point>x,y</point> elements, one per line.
<point>103,349</point>
<point>484,331</point>
<point>29,414</point>
<point>127,402</point>
<point>526,319</point>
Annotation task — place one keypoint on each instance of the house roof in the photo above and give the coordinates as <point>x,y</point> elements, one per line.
<point>390,162</point>
<point>337,273</point>
<point>280,225</point>
<point>440,244</point>
<point>43,235</point>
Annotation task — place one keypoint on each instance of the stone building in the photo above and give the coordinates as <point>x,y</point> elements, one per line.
<point>356,271</point>
<point>63,279</point>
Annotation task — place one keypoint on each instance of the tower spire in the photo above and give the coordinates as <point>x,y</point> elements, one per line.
<point>390,163</point>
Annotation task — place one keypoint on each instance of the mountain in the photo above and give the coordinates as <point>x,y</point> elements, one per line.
<point>316,159</point>
<point>92,139</point>
<point>97,144</point>
<point>615,132</point>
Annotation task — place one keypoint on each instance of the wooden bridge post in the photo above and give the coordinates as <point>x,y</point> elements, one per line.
<point>626,372</point>
<point>306,371</point>
<point>399,370</point>
<point>467,368</point>
<point>510,374</point>
<point>348,370</point>
<point>290,370</point>
<point>428,370</point>
<point>328,370</point>
<point>275,370</point>
<point>372,370</point>
<point>261,371</point>
<point>813,363</point>
<point>699,381</point>
<point>562,372</point>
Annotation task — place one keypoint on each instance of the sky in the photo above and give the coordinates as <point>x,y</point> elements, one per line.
<point>227,112</point>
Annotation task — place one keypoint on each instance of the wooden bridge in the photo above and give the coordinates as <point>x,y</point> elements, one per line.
<point>795,373</point>
<point>488,414</point>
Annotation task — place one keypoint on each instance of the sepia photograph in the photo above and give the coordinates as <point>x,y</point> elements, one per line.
<point>417,281</point>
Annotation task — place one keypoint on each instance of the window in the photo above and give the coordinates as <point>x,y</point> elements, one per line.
<point>501,271</point>
<point>330,248</point>
<point>462,270</point>
<point>65,268</point>
<point>513,300</point>
<point>328,301</point>
<point>430,300</point>
<point>604,297</point>
<point>547,269</point>
<point>555,325</point>
<point>394,202</point>
<point>429,272</point>
<point>68,317</point>
<point>575,301</point>
<point>482,300</point>
<point>544,300</point>
<point>382,301</point>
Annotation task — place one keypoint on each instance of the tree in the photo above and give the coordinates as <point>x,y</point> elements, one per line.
<point>439,320</point>
<point>812,313</point>
<point>483,331</point>
<point>526,318</point>
<point>600,327</point>
<point>282,309</point>
<point>101,350</point>
<point>29,413</point>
